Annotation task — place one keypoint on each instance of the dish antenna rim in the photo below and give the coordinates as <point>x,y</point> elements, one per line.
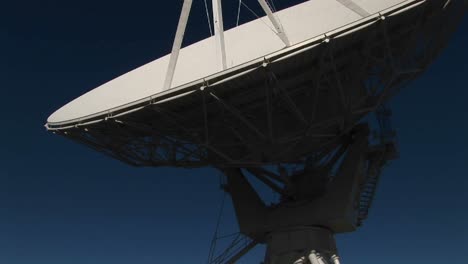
<point>230,73</point>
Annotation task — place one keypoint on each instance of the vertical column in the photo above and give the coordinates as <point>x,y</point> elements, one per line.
<point>219,32</point>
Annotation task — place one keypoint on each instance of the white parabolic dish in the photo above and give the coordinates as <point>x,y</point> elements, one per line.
<point>198,62</point>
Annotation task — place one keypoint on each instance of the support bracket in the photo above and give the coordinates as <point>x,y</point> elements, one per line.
<point>275,21</point>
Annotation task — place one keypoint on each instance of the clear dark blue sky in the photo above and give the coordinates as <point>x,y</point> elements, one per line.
<point>61,203</point>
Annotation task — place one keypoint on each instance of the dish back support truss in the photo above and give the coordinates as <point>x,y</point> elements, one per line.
<point>278,111</point>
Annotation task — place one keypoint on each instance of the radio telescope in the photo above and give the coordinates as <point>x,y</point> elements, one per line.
<point>284,98</point>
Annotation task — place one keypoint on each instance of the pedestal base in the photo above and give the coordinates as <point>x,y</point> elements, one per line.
<point>301,245</point>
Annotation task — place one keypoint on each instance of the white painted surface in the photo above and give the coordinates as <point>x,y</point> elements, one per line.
<point>179,37</point>
<point>218,24</point>
<point>244,43</point>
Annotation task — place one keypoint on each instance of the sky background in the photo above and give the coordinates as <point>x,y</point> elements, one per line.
<point>61,203</point>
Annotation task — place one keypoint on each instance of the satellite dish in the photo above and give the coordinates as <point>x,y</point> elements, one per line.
<point>288,89</point>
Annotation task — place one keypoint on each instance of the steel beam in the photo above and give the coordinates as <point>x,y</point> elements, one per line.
<point>242,252</point>
<point>239,115</point>
<point>275,21</point>
<point>179,37</point>
<point>275,187</point>
<point>219,32</point>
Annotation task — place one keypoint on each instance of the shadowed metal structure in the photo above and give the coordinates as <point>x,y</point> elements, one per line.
<point>300,99</point>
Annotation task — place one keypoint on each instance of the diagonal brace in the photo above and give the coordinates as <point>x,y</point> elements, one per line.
<point>179,37</point>
<point>275,21</point>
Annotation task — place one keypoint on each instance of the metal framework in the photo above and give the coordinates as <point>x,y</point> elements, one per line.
<point>219,35</point>
<point>317,200</point>
<point>280,110</point>
<point>304,109</point>
<point>237,248</point>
